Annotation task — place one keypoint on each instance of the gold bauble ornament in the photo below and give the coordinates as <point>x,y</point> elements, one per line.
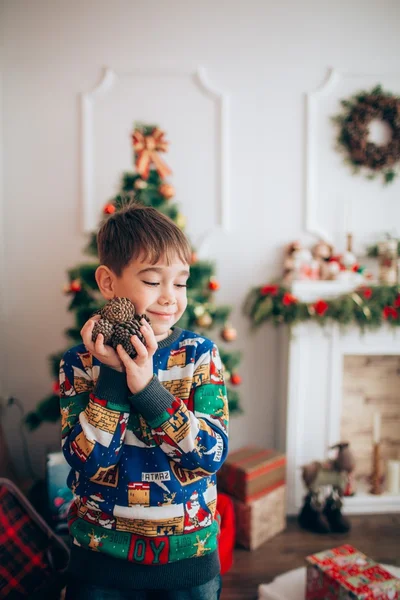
<point>167,190</point>
<point>199,310</point>
<point>140,184</point>
<point>204,320</point>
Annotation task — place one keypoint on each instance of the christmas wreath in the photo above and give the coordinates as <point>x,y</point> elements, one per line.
<point>368,307</point>
<point>353,137</point>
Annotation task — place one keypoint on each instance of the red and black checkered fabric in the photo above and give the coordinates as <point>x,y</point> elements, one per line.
<point>25,559</point>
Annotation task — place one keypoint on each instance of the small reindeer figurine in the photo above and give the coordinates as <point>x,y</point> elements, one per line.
<point>327,482</point>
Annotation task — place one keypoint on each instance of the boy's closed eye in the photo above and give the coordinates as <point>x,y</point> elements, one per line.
<point>155,283</point>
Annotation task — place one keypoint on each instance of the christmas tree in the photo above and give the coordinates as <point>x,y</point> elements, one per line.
<point>146,185</point>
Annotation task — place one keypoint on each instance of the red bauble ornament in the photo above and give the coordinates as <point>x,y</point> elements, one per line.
<point>213,285</point>
<point>193,258</point>
<point>56,387</point>
<point>228,333</point>
<point>109,209</point>
<point>75,286</point>
<point>235,379</point>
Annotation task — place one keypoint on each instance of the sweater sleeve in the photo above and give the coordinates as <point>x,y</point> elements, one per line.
<point>192,434</point>
<point>94,414</point>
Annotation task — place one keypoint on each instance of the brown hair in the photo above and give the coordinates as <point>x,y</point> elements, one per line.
<point>143,231</point>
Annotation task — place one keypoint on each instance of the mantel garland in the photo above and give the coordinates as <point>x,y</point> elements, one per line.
<point>368,307</point>
<point>353,123</point>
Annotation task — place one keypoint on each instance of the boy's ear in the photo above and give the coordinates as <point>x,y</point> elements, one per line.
<point>105,280</point>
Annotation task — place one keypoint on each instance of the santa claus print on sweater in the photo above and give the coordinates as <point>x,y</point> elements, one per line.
<point>196,516</point>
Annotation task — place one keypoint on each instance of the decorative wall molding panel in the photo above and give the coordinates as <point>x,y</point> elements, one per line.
<point>194,114</point>
<point>336,200</point>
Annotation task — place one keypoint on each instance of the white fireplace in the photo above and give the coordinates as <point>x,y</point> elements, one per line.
<point>312,360</point>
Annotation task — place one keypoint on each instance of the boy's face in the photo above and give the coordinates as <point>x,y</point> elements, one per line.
<point>158,290</point>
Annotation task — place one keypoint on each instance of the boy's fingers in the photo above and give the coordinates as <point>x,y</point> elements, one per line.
<point>139,347</point>
<point>124,356</point>
<point>89,325</point>
<point>149,336</point>
<point>99,345</point>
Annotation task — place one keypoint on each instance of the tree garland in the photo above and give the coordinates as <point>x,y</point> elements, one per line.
<point>368,307</point>
<point>354,123</point>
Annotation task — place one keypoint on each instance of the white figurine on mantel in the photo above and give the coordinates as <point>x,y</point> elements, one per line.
<point>299,264</point>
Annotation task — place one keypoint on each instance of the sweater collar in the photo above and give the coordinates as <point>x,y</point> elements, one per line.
<point>176,332</point>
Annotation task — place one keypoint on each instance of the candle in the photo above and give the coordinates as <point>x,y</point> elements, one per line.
<point>393,476</point>
<point>377,428</point>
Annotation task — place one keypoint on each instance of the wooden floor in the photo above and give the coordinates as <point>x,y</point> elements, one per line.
<point>378,536</point>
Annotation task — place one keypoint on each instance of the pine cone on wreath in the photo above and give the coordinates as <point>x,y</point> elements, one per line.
<point>118,323</point>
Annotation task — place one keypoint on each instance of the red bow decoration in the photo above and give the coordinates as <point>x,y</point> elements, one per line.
<point>146,149</point>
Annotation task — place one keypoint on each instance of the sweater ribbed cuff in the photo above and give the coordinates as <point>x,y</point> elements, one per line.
<point>112,386</point>
<point>153,400</point>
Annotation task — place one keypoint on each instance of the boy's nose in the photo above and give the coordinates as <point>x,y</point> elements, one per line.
<point>167,299</point>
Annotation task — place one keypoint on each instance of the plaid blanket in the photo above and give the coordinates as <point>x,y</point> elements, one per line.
<point>26,544</point>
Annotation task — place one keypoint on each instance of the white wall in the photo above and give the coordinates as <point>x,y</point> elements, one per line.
<point>266,54</point>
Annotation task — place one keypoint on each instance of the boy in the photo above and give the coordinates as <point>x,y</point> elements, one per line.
<point>144,436</point>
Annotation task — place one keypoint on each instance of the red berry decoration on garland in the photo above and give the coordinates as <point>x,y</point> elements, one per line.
<point>269,290</point>
<point>288,299</point>
<point>367,293</point>
<point>213,284</point>
<point>321,307</point>
<point>235,379</point>
<point>109,209</point>
<point>390,313</point>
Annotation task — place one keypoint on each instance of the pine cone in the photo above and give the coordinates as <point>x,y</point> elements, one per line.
<point>105,327</point>
<point>118,323</point>
<point>118,310</point>
<point>124,331</point>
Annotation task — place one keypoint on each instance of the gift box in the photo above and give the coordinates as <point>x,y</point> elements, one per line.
<point>227,535</point>
<point>345,573</point>
<point>250,473</point>
<point>260,520</point>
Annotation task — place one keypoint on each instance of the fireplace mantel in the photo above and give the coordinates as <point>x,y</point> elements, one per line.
<point>310,398</point>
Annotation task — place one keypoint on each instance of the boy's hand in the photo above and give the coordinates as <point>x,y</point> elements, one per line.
<point>139,371</point>
<point>105,354</point>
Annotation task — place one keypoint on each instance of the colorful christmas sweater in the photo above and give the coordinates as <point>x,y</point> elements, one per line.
<point>143,466</point>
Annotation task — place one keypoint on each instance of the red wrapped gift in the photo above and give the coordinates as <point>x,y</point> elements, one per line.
<point>250,473</point>
<point>345,573</point>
